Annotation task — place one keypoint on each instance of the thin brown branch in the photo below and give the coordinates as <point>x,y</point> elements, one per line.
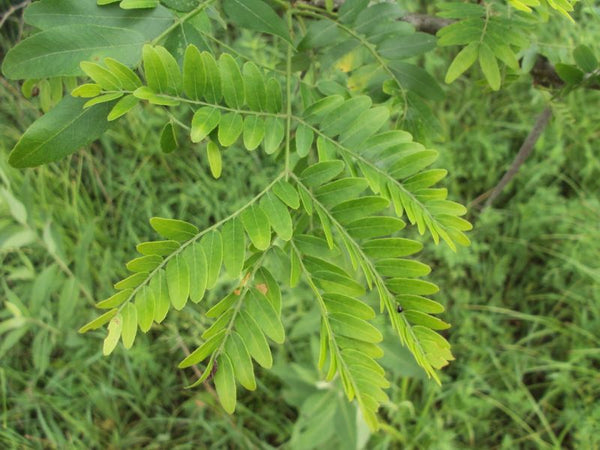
<point>11,10</point>
<point>524,152</point>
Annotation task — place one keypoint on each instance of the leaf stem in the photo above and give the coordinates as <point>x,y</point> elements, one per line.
<point>181,21</point>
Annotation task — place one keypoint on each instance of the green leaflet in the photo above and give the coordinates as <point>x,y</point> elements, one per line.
<point>178,281</point>
<point>465,59</point>
<point>278,215</point>
<point>233,84</point>
<point>257,226</point>
<point>115,300</point>
<point>240,360</point>
<point>254,339</point>
<point>58,51</point>
<point>174,229</point>
<point>260,308</point>
<point>256,92</point>
<point>254,131</point>
<point>198,269</point>
<point>168,139</point>
<point>101,76</point>
<point>274,134</point>
<point>322,172</point>
<point>256,15</point>
<point>130,324</point>
<point>122,107</point>
<point>114,333</point>
<point>489,66</point>
<point>304,140</point>
<point>161,70</point>
<point>213,92</point>
<point>212,245</point>
<point>230,128</point>
<point>144,263</point>
<point>160,248</point>
<point>203,352</point>
<point>287,194</point>
<point>194,73</point>
<point>145,304</point>
<point>215,161</point>
<point>234,247</point>
<point>204,121</point>
<point>225,383</point>
<point>98,321</point>
<point>160,292</point>
<point>62,131</point>
<point>353,327</point>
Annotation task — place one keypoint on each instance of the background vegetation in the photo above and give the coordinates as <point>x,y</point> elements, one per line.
<point>524,298</point>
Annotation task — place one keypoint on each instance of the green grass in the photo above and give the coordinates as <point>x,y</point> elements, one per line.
<point>524,299</point>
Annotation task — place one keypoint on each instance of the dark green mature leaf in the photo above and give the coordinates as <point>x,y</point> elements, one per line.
<point>58,51</point>
<point>62,131</point>
<point>417,80</point>
<point>234,247</point>
<point>402,47</point>
<point>256,15</point>
<point>46,14</point>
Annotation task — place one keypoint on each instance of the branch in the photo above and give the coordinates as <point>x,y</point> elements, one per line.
<point>11,10</point>
<point>524,152</point>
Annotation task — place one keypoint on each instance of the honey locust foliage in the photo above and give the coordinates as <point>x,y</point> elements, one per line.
<point>332,113</point>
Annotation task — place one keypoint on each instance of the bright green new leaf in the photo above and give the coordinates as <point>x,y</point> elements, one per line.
<point>230,128</point>
<point>257,226</point>
<point>145,304</point>
<point>114,334</point>
<point>204,121</point>
<point>174,229</point>
<point>115,300</point>
<point>102,99</point>
<point>160,248</point>
<point>465,59</point>
<point>144,263</point>
<point>131,282</point>
<point>138,4</point>
<point>127,77</point>
<point>122,107</point>
<point>489,66</point>
<point>87,90</point>
<point>215,161</point>
<point>274,134</point>
<point>194,73</point>
<point>101,76</point>
<point>130,325</point>
<point>98,321</point>
<point>233,83</point>
<point>178,281</point>
<point>254,131</point>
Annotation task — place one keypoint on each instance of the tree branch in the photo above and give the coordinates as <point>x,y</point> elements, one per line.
<point>524,152</point>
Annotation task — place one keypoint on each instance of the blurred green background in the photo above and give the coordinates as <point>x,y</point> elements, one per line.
<point>524,299</point>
